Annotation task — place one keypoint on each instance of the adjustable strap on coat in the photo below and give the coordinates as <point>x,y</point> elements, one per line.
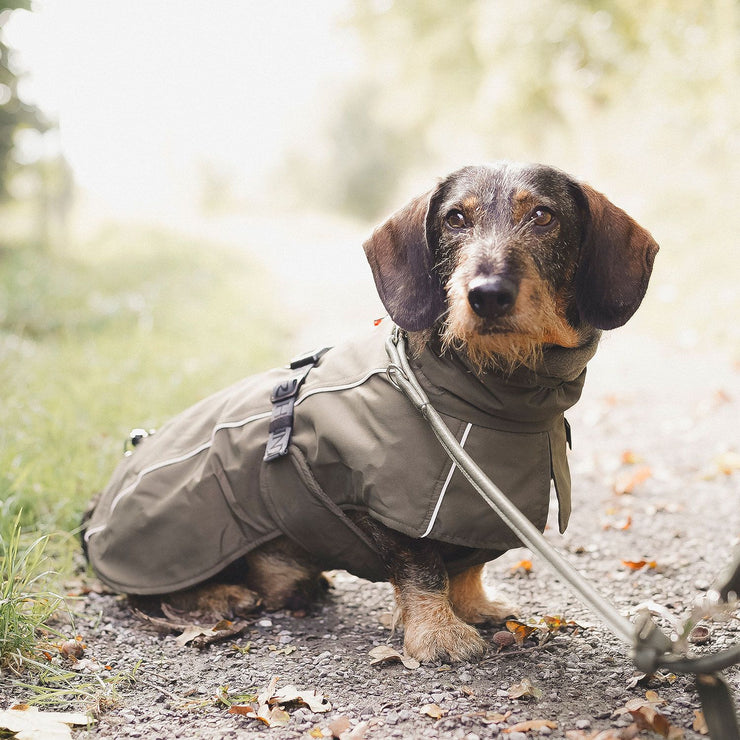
<point>651,648</point>
<point>283,400</point>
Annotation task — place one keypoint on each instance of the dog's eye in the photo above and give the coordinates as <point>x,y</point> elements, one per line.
<point>543,217</point>
<point>455,219</point>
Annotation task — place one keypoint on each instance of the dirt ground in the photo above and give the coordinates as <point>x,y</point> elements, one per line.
<point>656,478</point>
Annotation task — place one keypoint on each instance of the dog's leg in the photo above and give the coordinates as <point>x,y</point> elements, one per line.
<point>214,601</point>
<point>470,602</point>
<point>284,576</point>
<point>432,630</point>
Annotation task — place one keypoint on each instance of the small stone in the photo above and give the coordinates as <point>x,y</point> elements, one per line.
<point>503,639</point>
<point>583,724</point>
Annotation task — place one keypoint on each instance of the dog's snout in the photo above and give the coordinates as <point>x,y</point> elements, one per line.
<point>492,297</point>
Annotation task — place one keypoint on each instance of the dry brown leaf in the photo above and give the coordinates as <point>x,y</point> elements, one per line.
<point>622,734</point>
<point>556,623</point>
<point>31,724</point>
<point>434,711</point>
<point>241,709</point>
<point>496,718</point>
<point>700,723</point>
<point>651,700</point>
<point>289,694</point>
<point>520,630</point>
<point>387,654</point>
<point>640,564</point>
<point>532,724</point>
<point>627,481</point>
<point>199,635</point>
<point>620,525</point>
<point>523,566</point>
<point>524,690</point>
<point>648,718</point>
<point>202,636</point>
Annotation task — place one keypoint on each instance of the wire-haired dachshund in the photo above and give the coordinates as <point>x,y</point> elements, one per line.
<point>493,269</point>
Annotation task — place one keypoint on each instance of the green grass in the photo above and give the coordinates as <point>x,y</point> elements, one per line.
<point>124,330</point>
<point>24,606</point>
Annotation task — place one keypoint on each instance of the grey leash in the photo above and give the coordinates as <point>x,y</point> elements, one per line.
<point>651,648</point>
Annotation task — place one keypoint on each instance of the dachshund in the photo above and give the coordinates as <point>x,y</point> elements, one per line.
<point>494,269</point>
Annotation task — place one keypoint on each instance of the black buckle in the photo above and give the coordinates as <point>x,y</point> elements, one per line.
<point>310,358</point>
<point>283,400</point>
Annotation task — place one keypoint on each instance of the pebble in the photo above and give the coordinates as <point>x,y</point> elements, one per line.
<point>583,724</point>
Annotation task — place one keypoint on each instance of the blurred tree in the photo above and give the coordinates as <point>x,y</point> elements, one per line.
<point>14,113</point>
<point>587,83</point>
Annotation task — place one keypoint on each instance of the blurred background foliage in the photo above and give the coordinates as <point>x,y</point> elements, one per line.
<point>108,324</point>
<point>616,91</point>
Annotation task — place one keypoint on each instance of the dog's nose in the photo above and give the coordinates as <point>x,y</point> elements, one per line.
<point>492,297</point>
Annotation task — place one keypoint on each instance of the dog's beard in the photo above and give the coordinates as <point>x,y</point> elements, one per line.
<point>508,342</point>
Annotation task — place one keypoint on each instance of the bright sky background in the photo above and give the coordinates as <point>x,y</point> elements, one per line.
<point>146,93</point>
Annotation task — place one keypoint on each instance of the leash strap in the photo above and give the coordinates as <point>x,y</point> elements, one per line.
<point>651,648</point>
<point>283,399</point>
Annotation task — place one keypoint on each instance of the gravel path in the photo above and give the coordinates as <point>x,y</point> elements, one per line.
<point>665,428</point>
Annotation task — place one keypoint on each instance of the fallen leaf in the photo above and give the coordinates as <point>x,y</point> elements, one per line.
<point>198,634</point>
<point>640,564</point>
<point>202,636</point>
<point>524,690</point>
<point>622,734</point>
<point>627,481</point>
<point>651,700</point>
<point>648,718</point>
<point>496,718</point>
<point>620,524</point>
<point>520,630</point>
<point>241,709</point>
<point>87,665</point>
<point>434,711</point>
<point>657,676</point>
<point>290,694</point>
<point>532,724</point>
<point>700,724</point>
<point>192,632</point>
<point>523,566</point>
<point>387,654</point>
<point>556,624</point>
<point>31,724</point>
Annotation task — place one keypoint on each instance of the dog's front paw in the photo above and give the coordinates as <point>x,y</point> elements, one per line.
<point>485,611</point>
<point>442,637</point>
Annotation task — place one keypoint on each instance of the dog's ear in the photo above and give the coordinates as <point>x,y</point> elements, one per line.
<point>615,262</point>
<point>402,260</point>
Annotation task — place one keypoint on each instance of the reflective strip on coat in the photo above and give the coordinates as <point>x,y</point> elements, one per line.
<point>197,495</point>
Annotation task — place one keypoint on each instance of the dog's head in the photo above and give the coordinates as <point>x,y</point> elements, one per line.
<point>505,259</point>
